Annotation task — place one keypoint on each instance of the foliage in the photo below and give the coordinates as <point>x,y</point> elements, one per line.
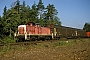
<point>7,40</point>
<point>22,14</point>
<point>87,27</point>
<point>65,43</point>
<point>56,20</point>
<point>51,12</point>
<point>40,8</point>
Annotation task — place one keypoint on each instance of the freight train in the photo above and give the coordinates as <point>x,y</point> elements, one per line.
<point>33,31</point>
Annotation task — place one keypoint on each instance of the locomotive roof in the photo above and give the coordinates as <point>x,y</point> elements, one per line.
<point>33,23</point>
<point>30,22</point>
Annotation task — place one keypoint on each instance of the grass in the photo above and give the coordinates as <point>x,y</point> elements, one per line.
<point>65,43</point>
<point>70,42</point>
<point>38,46</point>
<point>5,48</point>
<point>7,40</point>
<point>8,48</point>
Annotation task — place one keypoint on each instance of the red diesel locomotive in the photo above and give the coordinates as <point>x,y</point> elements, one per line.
<point>33,31</point>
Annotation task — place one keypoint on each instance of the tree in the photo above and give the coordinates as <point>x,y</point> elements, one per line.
<point>5,12</point>
<point>87,27</point>
<point>23,13</point>
<point>3,21</point>
<point>57,21</point>
<point>1,27</point>
<point>24,4</point>
<point>13,20</point>
<point>34,13</point>
<point>17,7</point>
<point>40,8</point>
<point>51,12</point>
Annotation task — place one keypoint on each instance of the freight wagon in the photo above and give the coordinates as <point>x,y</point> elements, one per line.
<point>32,31</point>
<point>88,34</point>
<point>66,32</point>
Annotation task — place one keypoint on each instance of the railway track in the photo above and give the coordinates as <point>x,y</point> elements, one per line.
<point>19,43</point>
<point>28,43</point>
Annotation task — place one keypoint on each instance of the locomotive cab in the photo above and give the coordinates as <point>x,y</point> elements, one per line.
<point>21,29</point>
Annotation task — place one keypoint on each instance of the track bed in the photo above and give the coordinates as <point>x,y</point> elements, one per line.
<point>57,50</point>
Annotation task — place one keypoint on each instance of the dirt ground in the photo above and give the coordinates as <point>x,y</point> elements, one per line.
<point>57,50</point>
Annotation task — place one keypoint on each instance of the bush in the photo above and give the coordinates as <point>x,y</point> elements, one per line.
<point>65,43</point>
<point>61,43</point>
<point>7,40</point>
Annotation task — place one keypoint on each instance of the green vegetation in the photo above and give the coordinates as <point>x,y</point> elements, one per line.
<point>22,14</point>
<point>7,40</point>
<point>87,27</point>
<point>65,43</point>
<point>70,42</point>
<point>7,48</point>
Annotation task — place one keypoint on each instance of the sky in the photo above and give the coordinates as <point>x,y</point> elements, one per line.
<point>72,13</point>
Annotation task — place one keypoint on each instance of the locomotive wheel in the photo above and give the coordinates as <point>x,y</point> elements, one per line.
<point>33,39</point>
<point>21,40</point>
<point>46,38</point>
